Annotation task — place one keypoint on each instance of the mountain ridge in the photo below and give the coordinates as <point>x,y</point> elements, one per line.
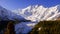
<point>39,13</point>
<point>7,15</point>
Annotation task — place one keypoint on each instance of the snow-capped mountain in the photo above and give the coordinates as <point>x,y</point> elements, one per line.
<point>34,13</point>
<point>39,13</point>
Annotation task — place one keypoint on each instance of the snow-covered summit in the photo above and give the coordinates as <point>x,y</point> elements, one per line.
<point>39,13</point>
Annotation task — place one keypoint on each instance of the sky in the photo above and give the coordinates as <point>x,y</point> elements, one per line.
<point>16,4</point>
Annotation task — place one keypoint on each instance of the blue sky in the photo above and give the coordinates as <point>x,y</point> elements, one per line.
<point>15,4</point>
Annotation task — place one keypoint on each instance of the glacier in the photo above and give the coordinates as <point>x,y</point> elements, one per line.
<point>34,13</point>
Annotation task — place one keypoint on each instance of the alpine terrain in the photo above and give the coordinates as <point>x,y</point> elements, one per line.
<point>39,13</point>
<point>33,13</point>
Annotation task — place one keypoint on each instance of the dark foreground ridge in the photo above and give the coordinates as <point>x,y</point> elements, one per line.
<point>8,26</point>
<point>46,27</point>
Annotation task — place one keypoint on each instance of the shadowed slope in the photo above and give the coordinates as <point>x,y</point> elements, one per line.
<point>47,27</point>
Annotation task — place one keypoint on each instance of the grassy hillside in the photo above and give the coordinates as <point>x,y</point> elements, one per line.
<point>47,27</point>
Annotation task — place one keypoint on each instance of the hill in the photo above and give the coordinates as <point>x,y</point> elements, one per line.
<point>46,27</point>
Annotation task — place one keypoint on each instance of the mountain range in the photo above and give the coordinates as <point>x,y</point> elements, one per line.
<point>39,13</point>
<point>34,14</point>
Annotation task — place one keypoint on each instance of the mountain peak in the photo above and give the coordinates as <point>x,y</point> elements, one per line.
<point>40,13</point>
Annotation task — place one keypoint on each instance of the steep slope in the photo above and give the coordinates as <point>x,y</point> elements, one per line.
<point>39,13</point>
<point>9,15</point>
<point>46,27</point>
<point>6,15</point>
